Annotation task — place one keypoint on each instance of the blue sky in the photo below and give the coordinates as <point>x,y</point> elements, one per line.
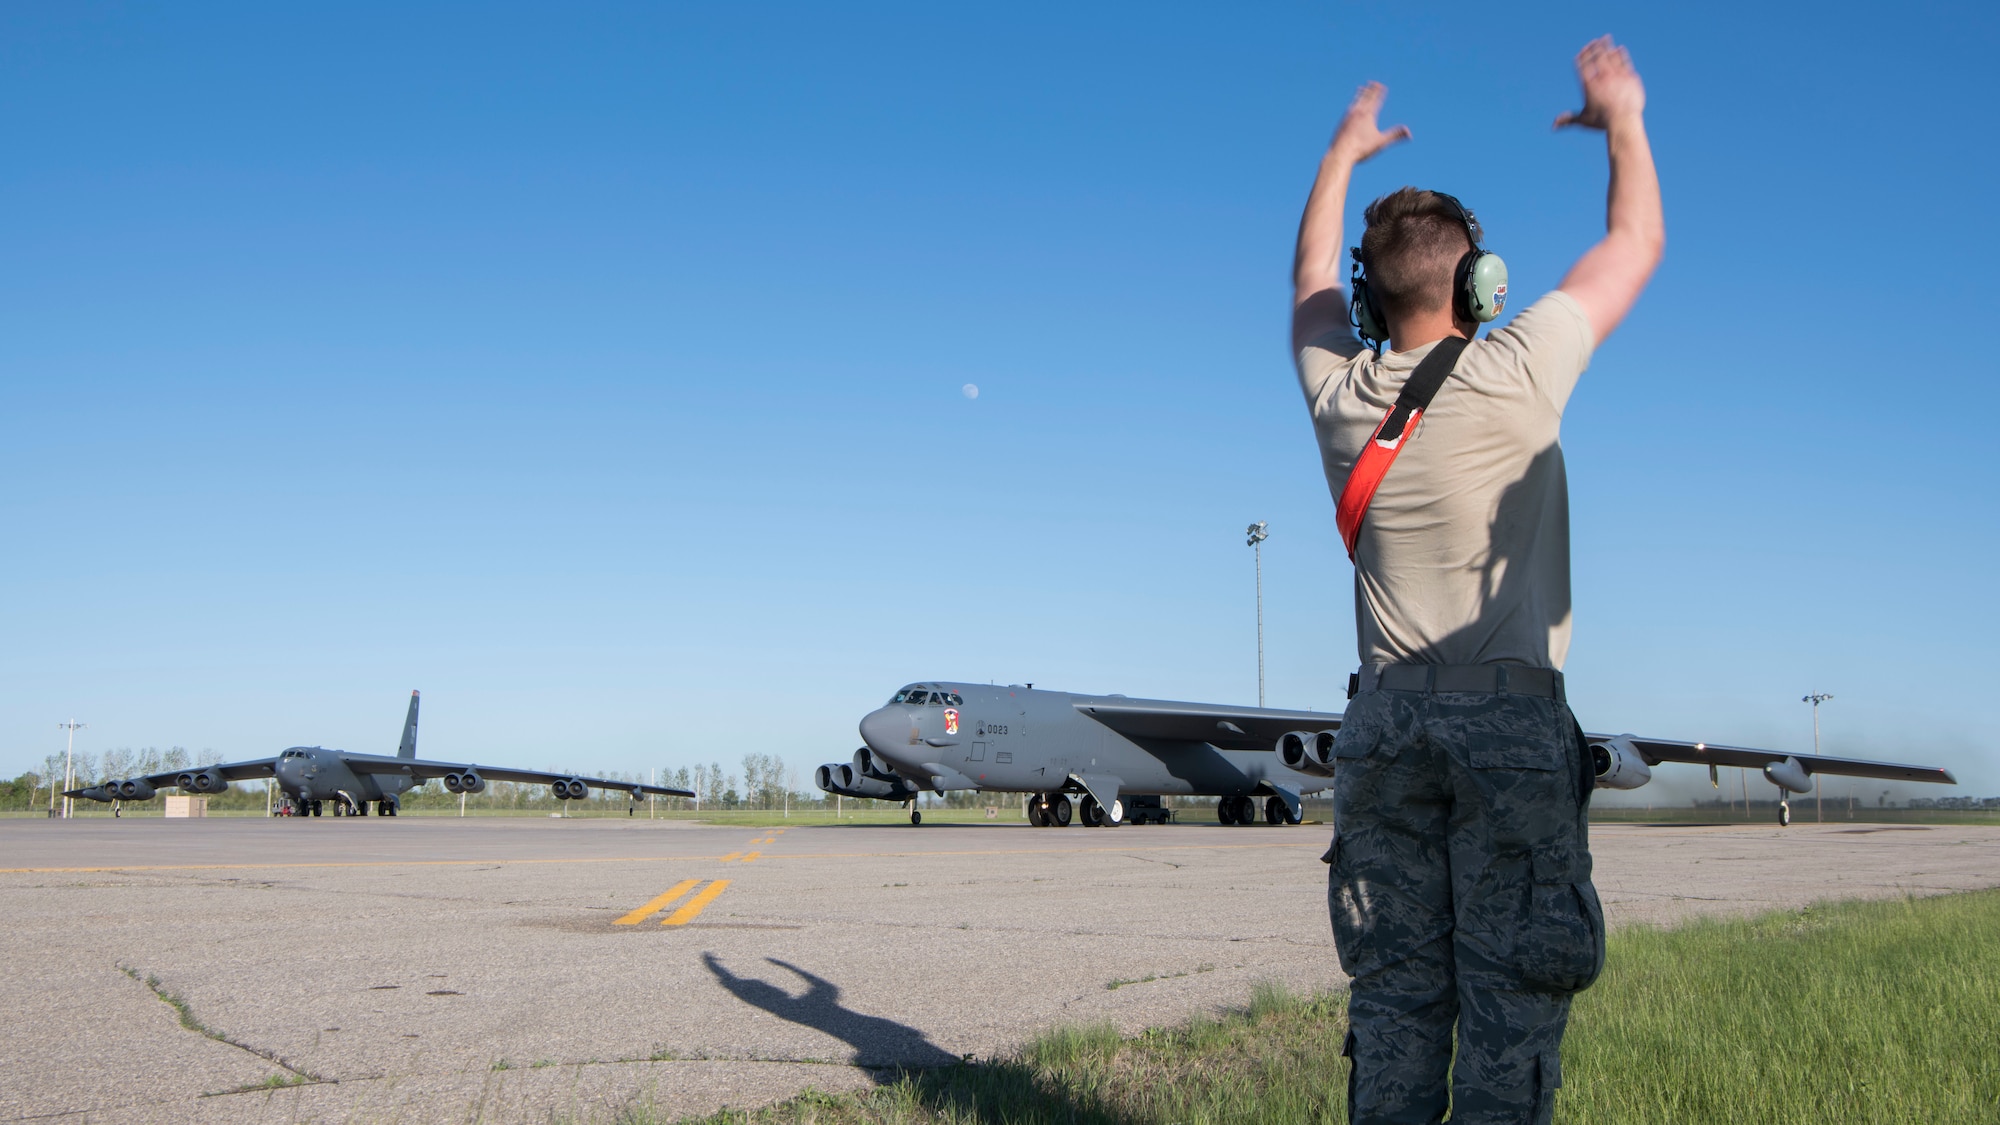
<point>599,373</point>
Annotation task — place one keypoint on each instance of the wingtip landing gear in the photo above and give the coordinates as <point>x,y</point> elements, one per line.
<point>1784,814</point>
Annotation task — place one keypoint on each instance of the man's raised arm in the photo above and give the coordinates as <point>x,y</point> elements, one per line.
<point>1318,302</point>
<point>1609,276</point>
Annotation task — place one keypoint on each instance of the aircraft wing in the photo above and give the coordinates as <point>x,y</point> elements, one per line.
<point>169,779</point>
<point>425,770</point>
<point>1657,750</point>
<point>1232,728</point>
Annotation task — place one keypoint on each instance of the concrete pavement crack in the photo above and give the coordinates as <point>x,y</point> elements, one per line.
<point>189,1021</point>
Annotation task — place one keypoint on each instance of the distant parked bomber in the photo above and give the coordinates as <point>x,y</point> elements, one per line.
<point>1120,756</point>
<point>311,777</point>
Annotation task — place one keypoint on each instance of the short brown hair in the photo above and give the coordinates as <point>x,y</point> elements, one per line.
<point>1411,250</point>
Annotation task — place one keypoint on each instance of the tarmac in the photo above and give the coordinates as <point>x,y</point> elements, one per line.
<point>439,969</point>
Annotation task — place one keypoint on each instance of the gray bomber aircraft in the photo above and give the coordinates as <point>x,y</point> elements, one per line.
<point>1120,756</point>
<point>312,776</point>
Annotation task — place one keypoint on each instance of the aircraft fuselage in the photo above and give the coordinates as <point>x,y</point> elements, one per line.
<point>1020,740</point>
<point>309,773</point>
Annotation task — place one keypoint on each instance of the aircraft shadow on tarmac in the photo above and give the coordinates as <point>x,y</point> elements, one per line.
<point>996,1091</point>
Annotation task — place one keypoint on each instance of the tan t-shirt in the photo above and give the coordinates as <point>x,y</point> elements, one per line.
<point>1464,555</point>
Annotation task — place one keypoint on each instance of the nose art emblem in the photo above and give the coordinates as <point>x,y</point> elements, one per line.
<point>951,720</point>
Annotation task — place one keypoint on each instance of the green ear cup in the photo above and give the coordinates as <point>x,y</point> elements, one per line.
<point>1485,287</point>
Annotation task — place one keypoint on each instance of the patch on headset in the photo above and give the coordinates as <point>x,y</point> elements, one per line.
<point>1499,297</point>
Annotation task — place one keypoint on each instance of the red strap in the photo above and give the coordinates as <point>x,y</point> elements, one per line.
<point>1366,477</point>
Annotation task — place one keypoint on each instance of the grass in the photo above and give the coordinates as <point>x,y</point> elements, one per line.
<point>1765,815</point>
<point>1863,1012</point>
<point>1850,1012</point>
<point>270,1082</point>
<point>292,1076</point>
<point>1124,982</point>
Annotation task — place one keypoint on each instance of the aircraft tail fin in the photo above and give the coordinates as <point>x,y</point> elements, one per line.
<point>409,747</point>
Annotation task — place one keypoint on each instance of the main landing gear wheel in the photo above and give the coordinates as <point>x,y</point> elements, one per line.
<point>1097,816</point>
<point>1784,814</point>
<point>1038,817</point>
<point>1275,812</point>
<point>318,807</point>
<point>1225,810</point>
<point>1059,810</point>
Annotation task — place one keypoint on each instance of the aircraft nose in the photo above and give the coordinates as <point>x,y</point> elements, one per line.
<point>885,729</point>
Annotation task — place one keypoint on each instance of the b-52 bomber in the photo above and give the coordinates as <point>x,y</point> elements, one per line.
<point>1119,757</point>
<point>313,777</point>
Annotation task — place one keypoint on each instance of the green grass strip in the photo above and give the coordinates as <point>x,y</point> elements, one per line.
<point>1858,1012</point>
<point>1854,1012</point>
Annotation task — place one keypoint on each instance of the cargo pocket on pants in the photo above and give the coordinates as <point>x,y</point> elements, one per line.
<point>1343,908</point>
<point>1560,947</point>
<point>1548,1079</point>
<point>1353,1072</point>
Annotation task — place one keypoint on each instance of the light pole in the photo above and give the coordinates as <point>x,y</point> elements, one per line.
<point>69,766</point>
<point>1819,799</point>
<point>1256,534</point>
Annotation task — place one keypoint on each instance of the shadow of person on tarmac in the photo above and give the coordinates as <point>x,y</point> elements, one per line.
<point>877,1042</point>
<point>992,1092</point>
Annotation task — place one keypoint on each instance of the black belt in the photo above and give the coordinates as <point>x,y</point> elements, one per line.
<point>1491,679</point>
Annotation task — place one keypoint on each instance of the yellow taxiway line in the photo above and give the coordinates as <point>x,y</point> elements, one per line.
<point>696,905</point>
<point>658,904</point>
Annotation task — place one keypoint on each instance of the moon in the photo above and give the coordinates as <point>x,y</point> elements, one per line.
<point>970,390</point>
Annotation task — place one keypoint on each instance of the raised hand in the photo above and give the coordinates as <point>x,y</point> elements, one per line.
<point>1359,137</point>
<point>1611,88</point>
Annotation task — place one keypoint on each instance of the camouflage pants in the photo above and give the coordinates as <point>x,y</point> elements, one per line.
<point>1460,894</point>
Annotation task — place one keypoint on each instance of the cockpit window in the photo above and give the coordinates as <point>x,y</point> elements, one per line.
<point>919,698</point>
<point>953,699</point>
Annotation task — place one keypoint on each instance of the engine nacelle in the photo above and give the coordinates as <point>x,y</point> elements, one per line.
<point>1321,751</point>
<point>1789,774</point>
<point>101,793</point>
<point>823,777</point>
<point>202,781</point>
<point>471,782</point>
<point>849,782</point>
<point>1618,764</point>
<point>135,789</point>
<point>568,789</point>
<point>1292,750</point>
<point>867,763</point>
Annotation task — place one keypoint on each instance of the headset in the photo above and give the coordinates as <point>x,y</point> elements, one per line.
<point>1479,284</point>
